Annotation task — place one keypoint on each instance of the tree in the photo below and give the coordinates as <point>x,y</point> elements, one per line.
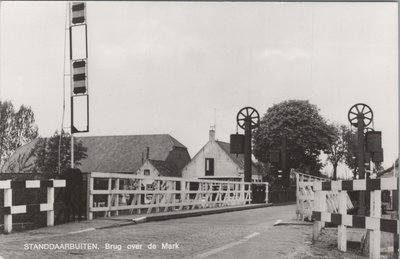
<point>338,148</point>
<point>16,128</point>
<point>305,130</point>
<point>47,153</point>
<point>350,156</point>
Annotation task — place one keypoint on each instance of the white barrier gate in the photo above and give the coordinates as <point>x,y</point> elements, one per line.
<point>8,210</point>
<point>305,195</point>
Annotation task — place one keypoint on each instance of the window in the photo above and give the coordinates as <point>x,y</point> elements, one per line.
<point>146,172</point>
<point>209,166</point>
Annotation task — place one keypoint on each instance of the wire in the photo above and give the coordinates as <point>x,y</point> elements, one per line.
<point>64,75</point>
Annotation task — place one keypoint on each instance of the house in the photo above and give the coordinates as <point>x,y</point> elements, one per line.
<point>214,160</point>
<point>119,154</point>
<point>156,168</point>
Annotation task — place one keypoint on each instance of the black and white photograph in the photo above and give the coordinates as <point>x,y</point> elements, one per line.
<point>199,129</point>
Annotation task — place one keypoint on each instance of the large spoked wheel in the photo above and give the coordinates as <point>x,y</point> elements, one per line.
<point>248,113</point>
<point>362,110</point>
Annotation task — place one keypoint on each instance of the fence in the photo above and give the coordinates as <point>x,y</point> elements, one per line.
<point>111,193</point>
<point>305,196</point>
<point>8,210</point>
<point>374,222</point>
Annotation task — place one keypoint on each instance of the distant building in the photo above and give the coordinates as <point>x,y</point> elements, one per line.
<point>156,168</point>
<point>214,160</point>
<point>119,154</point>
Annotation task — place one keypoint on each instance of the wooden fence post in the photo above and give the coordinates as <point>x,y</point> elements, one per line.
<point>342,229</point>
<point>109,198</point>
<point>323,208</point>
<point>8,203</point>
<point>297,197</point>
<point>116,187</point>
<point>50,200</point>
<point>89,196</point>
<point>375,235</point>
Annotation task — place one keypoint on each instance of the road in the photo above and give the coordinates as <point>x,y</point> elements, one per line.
<point>241,234</point>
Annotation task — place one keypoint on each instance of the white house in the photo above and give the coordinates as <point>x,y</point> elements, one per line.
<point>215,160</point>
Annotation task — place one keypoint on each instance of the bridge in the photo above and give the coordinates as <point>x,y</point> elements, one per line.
<point>175,217</point>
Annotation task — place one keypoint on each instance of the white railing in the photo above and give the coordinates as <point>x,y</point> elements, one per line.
<point>112,193</point>
<point>305,196</point>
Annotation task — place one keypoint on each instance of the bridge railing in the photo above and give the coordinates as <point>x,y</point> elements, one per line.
<point>374,222</point>
<point>8,210</point>
<point>305,196</point>
<point>112,193</point>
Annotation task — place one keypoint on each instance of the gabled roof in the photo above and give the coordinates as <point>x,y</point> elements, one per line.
<point>118,153</point>
<point>166,168</point>
<point>124,153</point>
<point>238,159</point>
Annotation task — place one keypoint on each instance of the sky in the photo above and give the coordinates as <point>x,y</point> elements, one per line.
<point>178,67</point>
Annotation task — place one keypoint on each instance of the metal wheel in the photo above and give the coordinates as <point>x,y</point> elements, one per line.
<point>248,113</point>
<point>360,110</point>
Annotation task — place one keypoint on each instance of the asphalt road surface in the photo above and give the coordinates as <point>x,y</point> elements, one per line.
<point>241,234</point>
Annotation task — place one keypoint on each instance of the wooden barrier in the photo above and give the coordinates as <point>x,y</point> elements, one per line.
<point>9,209</point>
<point>111,193</point>
<point>305,196</point>
<point>374,222</point>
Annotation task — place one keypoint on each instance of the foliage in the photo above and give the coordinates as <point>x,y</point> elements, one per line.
<point>350,156</point>
<point>47,151</point>
<point>339,147</point>
<point>16,128</point>
<point>306,131</point>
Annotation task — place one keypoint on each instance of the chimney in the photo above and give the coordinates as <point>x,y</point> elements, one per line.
<point>148,153</point>
<point>212,135</point>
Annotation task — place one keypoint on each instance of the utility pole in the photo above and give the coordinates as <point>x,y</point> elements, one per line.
<point>360,115</point>
<point>78,65</point>
<point>360,155</point>
<point>247,119</point>
<point>247,150</point>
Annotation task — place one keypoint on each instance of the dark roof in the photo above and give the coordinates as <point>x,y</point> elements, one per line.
<point>166,168</point>
<point>238,159</point>
<point>124,153</point>
<point>119,153</point>
<point>24,152</point>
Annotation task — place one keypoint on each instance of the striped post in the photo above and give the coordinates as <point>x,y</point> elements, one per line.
<point>50,203</point>
<point>317,208</point>
<point>342,231</point>
<point>375,235</point>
